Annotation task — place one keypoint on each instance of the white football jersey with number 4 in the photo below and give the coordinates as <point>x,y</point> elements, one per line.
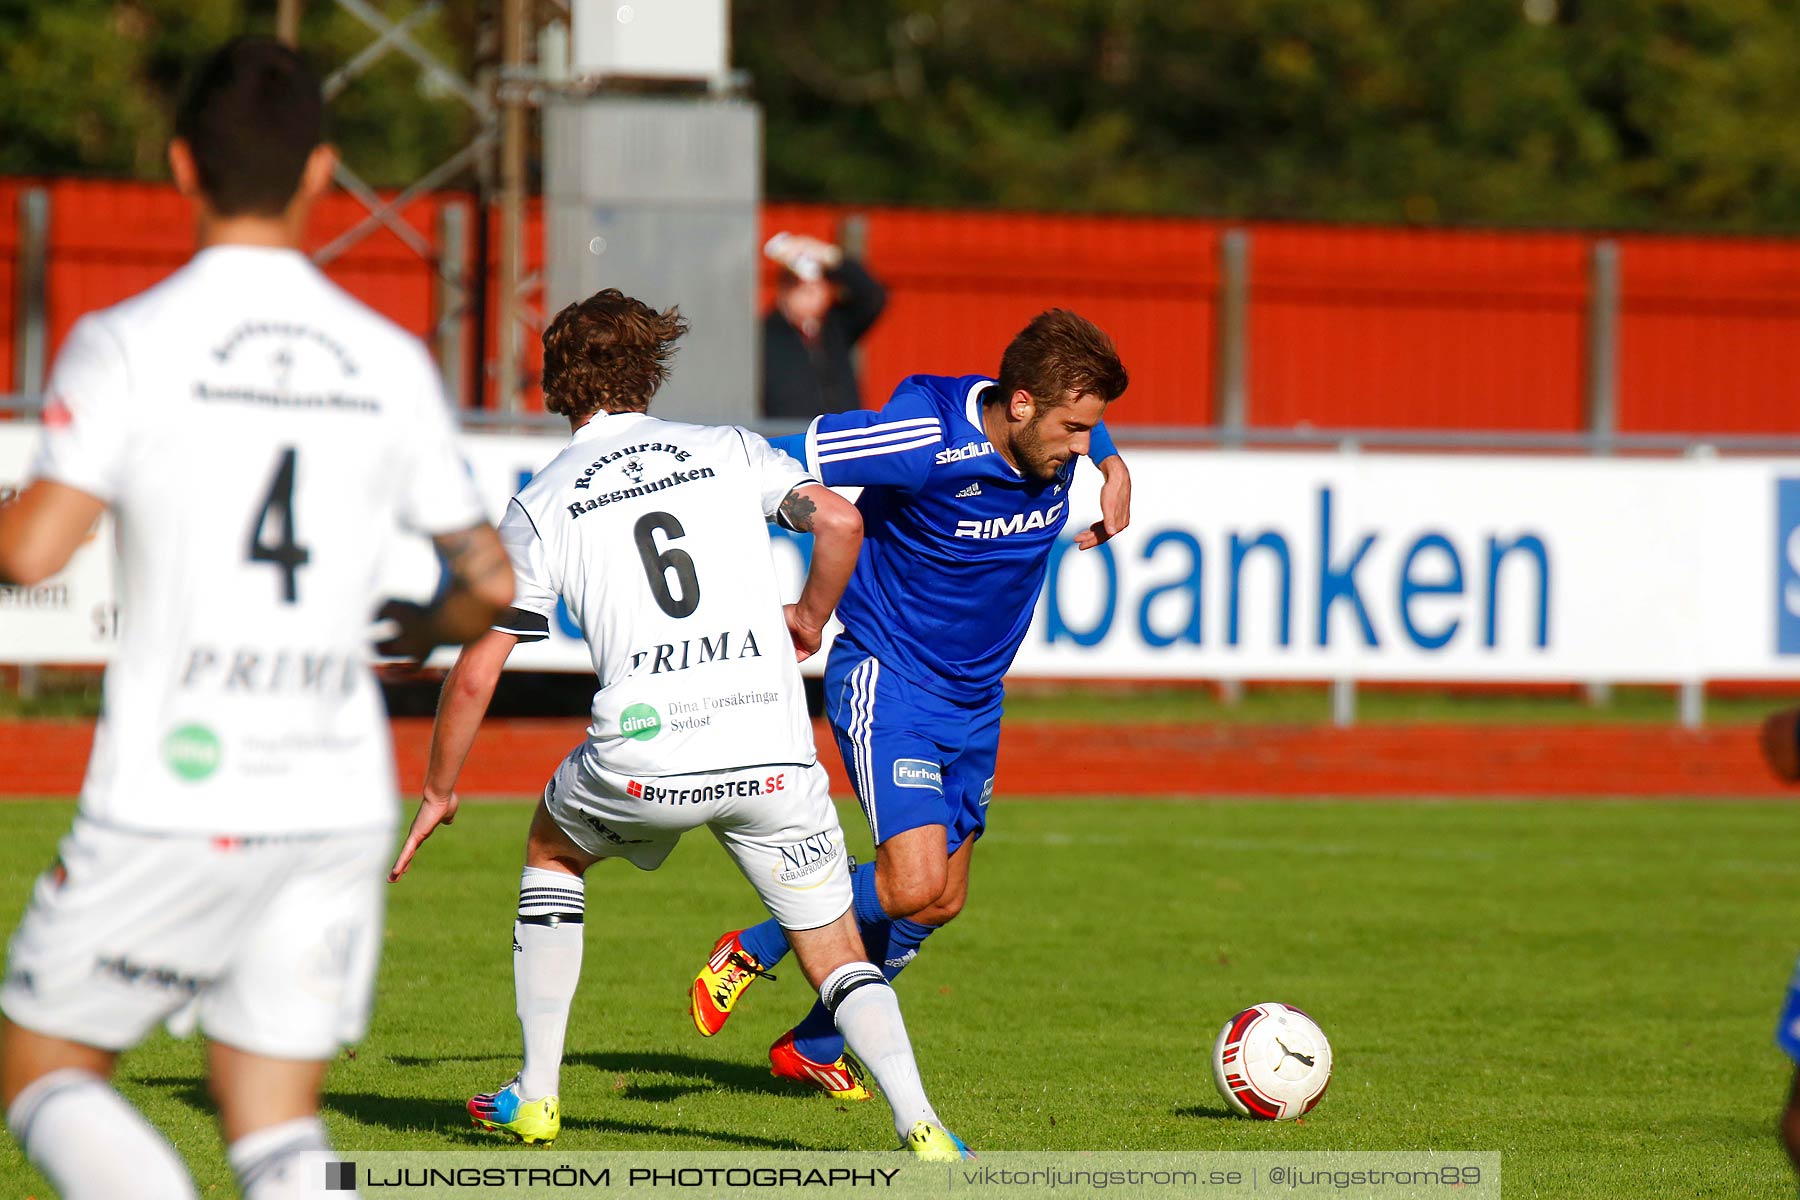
<point>652,532</point>
<point>259,435</point>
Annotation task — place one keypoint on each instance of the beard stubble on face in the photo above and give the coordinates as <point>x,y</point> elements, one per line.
<point>1034,457</point>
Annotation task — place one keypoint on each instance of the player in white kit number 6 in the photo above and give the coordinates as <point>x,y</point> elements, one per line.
<point>257,434</point>
<point>653,534</point>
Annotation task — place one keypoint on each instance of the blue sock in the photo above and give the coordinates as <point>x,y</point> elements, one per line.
<point>767,942</point>
<point>890,945</point>
<point>863,898</point>
<point>903,946</point>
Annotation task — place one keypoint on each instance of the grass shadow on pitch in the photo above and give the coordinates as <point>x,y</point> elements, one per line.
<point>677,1075</point>
<point>446,1119</point>
<point>185,1089</point>
<point>1201,1113</point>
<point>402,1114</point>
<point>689,1075</point>
<point>509,1059</point>
<point>440,1117</point>
<point>660,1133</point>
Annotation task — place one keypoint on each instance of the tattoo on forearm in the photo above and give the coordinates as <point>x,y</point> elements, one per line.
<point>457,545</point>
<point>471,556</point>
<point>798,512</point>
<point>488,567</point>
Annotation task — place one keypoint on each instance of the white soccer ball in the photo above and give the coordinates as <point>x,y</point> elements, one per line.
<point>1271,1062</point>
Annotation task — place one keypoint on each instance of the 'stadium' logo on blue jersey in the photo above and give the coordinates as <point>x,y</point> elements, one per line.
<point>967,450</point>
<point>918,773</point>
<point>1787,566</point>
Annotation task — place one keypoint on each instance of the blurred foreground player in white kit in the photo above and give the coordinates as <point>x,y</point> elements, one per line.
<point>653,533</point>
<point>258,435</point>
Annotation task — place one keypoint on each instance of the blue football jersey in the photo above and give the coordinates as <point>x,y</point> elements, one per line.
<point>955,539</point>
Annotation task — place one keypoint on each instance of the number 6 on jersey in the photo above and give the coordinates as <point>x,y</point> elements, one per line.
<point>658,565</point>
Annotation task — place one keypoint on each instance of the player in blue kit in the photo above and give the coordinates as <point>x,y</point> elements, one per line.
<point>1781,752</point>
<point>1787,1036</point>
<point>966,489</point>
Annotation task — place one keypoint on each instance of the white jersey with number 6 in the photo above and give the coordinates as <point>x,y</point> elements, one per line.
<point>652,533</point>
<point>259,436</point>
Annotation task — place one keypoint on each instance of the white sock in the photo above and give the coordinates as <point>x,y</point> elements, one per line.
<point>866,1012</point>
<point>91,1144</point>
<point>546,968</point>
<point>268,1165</point>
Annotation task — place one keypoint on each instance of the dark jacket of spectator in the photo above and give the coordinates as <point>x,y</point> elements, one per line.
<point>803,377</point>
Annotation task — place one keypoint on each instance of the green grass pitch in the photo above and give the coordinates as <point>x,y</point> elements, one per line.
<point>1588,988</point>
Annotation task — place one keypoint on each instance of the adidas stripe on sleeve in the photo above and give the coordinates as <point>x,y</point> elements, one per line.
<point>894,447</point>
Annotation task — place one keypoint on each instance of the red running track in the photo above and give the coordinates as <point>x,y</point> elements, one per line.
<point>46,758</point>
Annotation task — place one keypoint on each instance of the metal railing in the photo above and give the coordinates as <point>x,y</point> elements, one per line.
<point>1461,441</point>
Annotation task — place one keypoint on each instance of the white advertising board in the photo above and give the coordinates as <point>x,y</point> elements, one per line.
<point>1265,565</point>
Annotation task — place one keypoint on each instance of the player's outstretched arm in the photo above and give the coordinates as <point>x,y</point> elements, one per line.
<point>41,529</point>
<point>837,531</point>
<point>481,586</point>
<point>1115,503</point>
<point>468,689</point>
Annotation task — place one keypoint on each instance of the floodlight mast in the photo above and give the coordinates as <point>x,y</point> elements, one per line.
<point>675,51</point>
<point>512,199</point>
<point>287,21</point>
<point>499,100</point>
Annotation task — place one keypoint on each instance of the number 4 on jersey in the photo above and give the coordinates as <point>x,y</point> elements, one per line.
<point>286,554</point>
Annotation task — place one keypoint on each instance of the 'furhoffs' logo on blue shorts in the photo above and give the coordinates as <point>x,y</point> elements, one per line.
<point>917,773</point>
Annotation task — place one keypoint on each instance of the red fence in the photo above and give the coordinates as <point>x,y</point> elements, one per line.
<point>1348,326</point>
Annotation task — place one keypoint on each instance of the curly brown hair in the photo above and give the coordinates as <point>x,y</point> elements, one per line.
<point>1059,356</point>
<point>608,353</point>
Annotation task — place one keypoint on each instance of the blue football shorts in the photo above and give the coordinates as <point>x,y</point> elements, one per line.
<point>914,757</point>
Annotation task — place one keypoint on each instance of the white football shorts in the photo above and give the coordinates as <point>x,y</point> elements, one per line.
<point>269,945</point>
<point>777,823</point>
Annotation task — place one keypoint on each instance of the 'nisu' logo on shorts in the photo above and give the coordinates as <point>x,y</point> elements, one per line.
<point>917,773</point>
<point>808,857</point>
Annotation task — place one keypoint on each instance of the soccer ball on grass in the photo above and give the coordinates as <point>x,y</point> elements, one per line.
<point>1271,1062</point>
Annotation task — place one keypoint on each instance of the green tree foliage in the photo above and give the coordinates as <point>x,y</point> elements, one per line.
<point>1591,112</point>
<point>85,85</point>
<point>1622,113</point>
<point>90,86</point>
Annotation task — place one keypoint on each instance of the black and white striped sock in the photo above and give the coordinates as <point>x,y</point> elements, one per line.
<point>91,1144</point>
<point>863,1006</point>
<point>272,1163</point>
<point>546,968</point>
